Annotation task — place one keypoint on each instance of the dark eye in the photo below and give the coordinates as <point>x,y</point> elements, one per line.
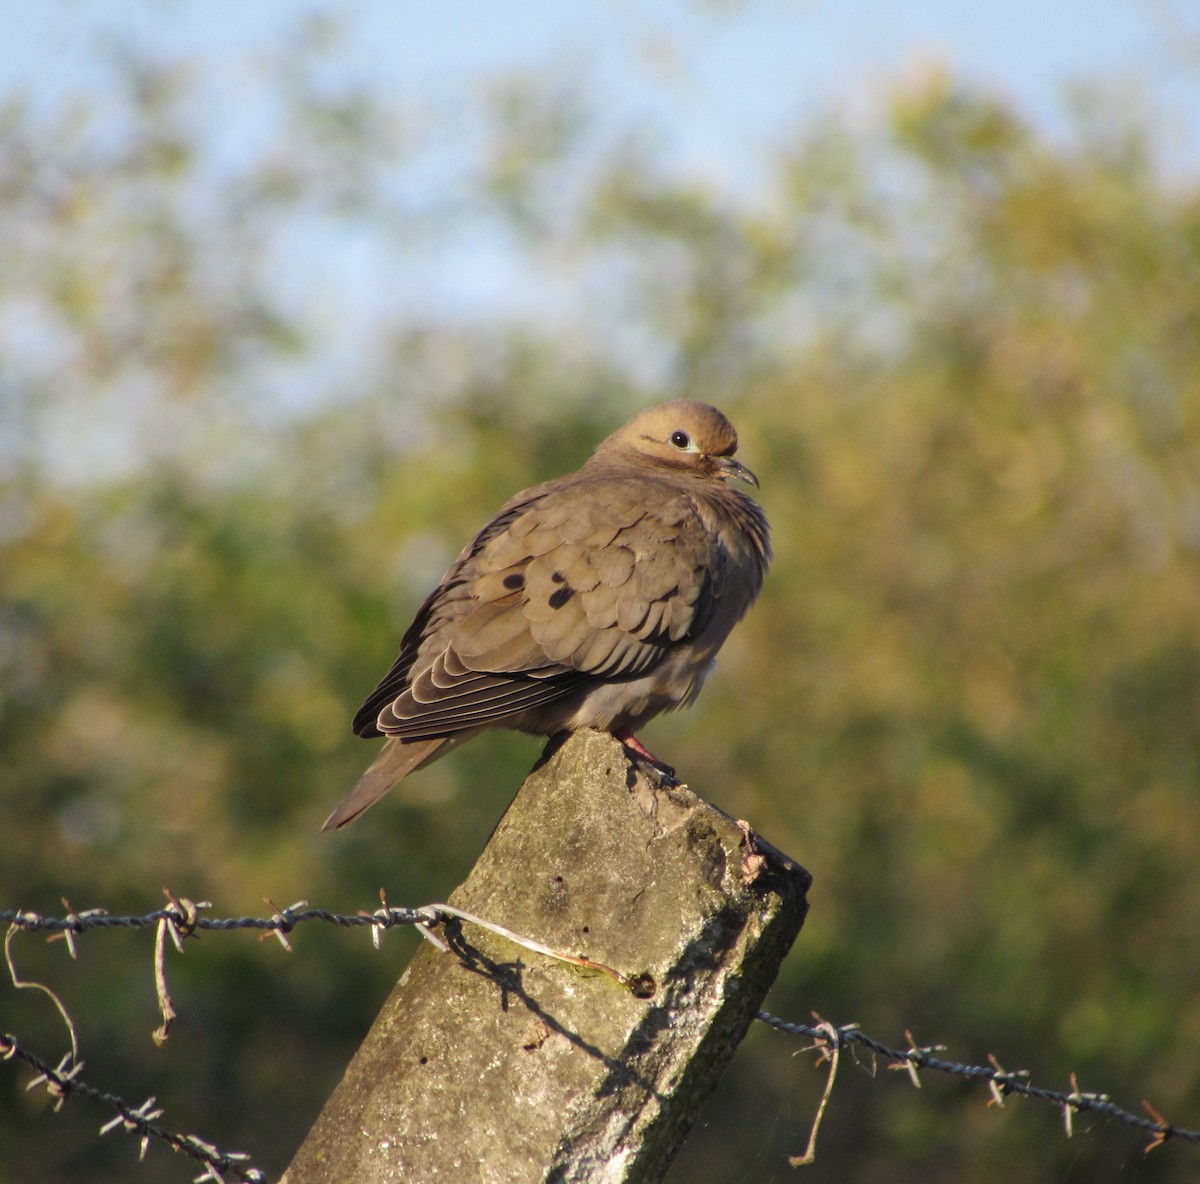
<point>680,439</point>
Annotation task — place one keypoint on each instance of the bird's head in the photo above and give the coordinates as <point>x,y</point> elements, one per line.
<point>684,436</point>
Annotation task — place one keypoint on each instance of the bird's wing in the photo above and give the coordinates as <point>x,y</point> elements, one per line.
<point>583,579</point>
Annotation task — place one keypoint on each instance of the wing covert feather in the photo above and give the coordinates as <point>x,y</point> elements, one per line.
<point>595,578</point>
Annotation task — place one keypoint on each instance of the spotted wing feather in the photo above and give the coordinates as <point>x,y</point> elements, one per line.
<point>592,579</point>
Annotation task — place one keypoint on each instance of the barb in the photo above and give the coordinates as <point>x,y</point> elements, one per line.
<point>1000,1082</point>
<point>62,1082</point>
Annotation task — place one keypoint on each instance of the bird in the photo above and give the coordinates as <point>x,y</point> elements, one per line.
<point>595,600</point>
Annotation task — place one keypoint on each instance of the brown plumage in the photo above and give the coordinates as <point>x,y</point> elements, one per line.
<point>597,600</point>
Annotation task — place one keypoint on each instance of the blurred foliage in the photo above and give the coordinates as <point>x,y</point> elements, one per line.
<point>966,365</point>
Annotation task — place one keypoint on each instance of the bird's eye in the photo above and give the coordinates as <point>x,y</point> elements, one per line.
<point>680,439</point>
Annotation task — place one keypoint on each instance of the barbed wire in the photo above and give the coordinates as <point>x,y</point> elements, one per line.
<point>63,1081</point>
<point>186,916</point>
<point>1001,1082</point>
<point>183,917</point>
<point>180,919</point>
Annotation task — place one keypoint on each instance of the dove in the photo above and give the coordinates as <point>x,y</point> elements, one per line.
<point>595,600</point>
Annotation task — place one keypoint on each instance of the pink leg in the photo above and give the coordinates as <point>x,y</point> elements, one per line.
<point>639,749</point>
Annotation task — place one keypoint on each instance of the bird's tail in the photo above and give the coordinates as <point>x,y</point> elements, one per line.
<point>396,760</point>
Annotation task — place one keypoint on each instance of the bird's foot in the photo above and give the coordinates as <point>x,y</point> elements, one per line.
<point>634,745</point>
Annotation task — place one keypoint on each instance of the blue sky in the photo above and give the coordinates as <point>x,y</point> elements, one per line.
<point>716,83</point>
<point>719,78</point>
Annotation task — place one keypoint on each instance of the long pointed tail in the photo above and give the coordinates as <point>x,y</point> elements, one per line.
<point>396,760</point>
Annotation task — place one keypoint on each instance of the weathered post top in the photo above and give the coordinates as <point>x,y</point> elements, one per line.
<point>495,1064</point>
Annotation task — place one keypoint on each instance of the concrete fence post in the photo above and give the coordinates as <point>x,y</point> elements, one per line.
<point>498,1065</point>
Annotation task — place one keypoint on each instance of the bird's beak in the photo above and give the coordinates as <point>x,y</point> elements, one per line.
<point>734,468</point>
